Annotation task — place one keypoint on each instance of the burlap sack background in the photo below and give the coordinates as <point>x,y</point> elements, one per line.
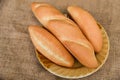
<point>17,57</point>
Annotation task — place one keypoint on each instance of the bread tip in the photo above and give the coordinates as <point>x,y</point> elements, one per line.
<point>35,5</point>
<point>30,28</point>
<point>94,66</point>
<point>98,49</point>
<point>70,64</point>
<point>71,7</point>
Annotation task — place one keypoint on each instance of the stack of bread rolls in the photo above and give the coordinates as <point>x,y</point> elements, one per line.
<point>62,39</point>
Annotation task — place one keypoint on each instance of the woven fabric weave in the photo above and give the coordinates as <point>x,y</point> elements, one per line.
<point>17,55</point>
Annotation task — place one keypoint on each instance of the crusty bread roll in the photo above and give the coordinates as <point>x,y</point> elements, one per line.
<point>67,32</point>
<point>50,47</point>
<point>88,25</point>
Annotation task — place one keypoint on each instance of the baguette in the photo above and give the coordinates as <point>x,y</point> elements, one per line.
<point>67,32</point>
<point>50,47</point>
<point>88,25</point>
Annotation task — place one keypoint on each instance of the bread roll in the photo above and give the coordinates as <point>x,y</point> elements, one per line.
<point>50,47</point>
<point>88,25</point>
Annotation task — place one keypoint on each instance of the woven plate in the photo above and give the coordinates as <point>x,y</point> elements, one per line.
<point>78,70</point>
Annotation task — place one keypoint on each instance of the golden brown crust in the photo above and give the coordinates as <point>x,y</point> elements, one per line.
<point>67,32</point>
<point>50,47</point>
<point>88,25</point>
